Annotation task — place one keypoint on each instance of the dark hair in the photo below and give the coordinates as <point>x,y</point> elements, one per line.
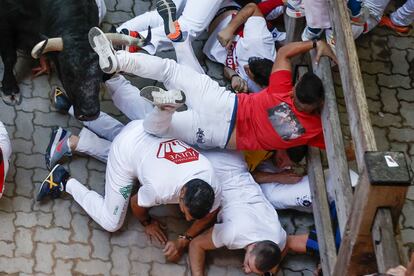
<point>296,154</point>
<point>268,255</point>
<point>198,198</point>
<point>309,89</point>
<point>261,68</point>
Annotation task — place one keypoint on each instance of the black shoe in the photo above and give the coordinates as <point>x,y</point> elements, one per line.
<point>54,184</point>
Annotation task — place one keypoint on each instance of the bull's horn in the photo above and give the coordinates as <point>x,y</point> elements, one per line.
<point>122,39</point>
<point>48,45</point>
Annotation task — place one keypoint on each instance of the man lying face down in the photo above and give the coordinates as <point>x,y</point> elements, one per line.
<point>246,219</point>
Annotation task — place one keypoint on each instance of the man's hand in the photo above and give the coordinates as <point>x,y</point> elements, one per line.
<point>173,250</point>
<point>154,230</point>
<point>239,84</point>
<point>285,177</point>
<point>323,49</point>
<point>225,37</point>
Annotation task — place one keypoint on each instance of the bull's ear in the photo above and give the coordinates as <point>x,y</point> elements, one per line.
<point>54,44</point>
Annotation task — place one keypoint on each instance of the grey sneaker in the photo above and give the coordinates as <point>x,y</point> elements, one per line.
<point>162,98</point>
<point>167,10</point>
<point>58,147</point>
<point>103,47</point>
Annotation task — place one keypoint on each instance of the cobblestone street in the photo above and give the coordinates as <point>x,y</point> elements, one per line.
<point>59,238</point>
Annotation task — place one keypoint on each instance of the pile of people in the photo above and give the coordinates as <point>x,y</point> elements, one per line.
<point>225,156</point>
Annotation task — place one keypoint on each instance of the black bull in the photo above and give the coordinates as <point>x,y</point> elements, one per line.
<point>24,23</point>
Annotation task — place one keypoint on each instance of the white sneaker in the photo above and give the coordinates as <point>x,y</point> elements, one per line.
<point>170,99</point>
<point>295,8</point>
<point>308,35</point>
<point>103,47</point>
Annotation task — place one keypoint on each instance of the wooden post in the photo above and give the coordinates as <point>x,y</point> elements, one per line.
<point>384,241</point>
<point>321,212</point>
<point>338,165</point>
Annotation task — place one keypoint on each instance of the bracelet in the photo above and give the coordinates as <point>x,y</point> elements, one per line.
<point>314,43</point>
<point>232,76</point>
<point>146,222</point>
<point>185,237</point>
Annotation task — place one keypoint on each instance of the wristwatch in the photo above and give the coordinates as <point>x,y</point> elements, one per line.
<point>314,43</point>
<point>185,237</point>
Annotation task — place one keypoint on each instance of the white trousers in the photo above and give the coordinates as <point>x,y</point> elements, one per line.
<point>194,18</point>
<point>207,121</point>
<point>5,146</point>
<point>101,9</point>
<point>317,14</point>
<point>404,16</point>
<point>108,211</point>
<point>297,196</point>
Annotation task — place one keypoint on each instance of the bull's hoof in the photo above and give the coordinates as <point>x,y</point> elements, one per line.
<point>13,99</point>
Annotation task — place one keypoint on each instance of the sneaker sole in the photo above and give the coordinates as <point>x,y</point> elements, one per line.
<point>38,198</point>
<point>96,33</point>
<point>146,93</point>
<point>167,10</point>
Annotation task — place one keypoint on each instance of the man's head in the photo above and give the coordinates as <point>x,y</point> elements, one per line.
<point>261,257</point>
<point>308,95</point>
<point>196,199</point>
<point>259,70</point>
<point>284,159</point>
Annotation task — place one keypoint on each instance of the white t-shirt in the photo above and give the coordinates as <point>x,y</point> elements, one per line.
<point>161,165</point>
<point>245,216</point>
<point>257,41</point>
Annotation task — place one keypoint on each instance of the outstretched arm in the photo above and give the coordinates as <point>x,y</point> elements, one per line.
<point>293,49</point>
<point>197,253</point>
<point>225,36</point>
<point>174,249</point>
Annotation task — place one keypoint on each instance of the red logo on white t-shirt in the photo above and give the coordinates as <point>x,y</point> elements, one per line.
<point>177,151</point>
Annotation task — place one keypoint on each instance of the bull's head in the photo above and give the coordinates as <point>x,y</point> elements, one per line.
<point>79,69</point>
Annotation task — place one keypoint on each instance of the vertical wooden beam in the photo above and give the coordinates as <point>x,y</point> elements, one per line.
<point>384,242</point>
<point>338,165</point>
<point>353,86</point>
<point>321,212</point>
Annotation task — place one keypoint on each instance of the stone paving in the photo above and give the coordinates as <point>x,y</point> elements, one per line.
<point>58,238</point>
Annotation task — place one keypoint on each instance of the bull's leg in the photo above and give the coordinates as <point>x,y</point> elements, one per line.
<point>10,92</point>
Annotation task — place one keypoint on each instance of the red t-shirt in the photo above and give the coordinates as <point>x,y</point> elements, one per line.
<point>269,120</point>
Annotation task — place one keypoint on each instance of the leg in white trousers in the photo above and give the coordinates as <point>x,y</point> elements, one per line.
<point>404,16</point>
<point>207,121</point>
<point>5,146</point>
<point>108,211</point>
<point>195,17</point>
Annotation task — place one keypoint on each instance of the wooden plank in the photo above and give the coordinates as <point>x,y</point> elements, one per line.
<point>353,87</point>
<point>321,212</point>
<point>338,165</point>
<point>294,28</point>
<point>386,250</point>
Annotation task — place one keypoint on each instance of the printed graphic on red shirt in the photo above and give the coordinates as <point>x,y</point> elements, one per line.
<point>177,152</point>
<point>285,122</point>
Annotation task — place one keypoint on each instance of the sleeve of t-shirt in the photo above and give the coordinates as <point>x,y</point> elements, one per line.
<point>217,199</point>
<point>318,141</point>
<point>223,235</point>
<point>280,82</point>
<point>267,6</point>
<point>256,28</point>
<point>147,196</point>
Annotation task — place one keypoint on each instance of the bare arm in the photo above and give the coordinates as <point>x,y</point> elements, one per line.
<point>225,36</point>
<point>293,49</point>
<point>174,249</point>
<point>197,253</point>
<point>237,83</point>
